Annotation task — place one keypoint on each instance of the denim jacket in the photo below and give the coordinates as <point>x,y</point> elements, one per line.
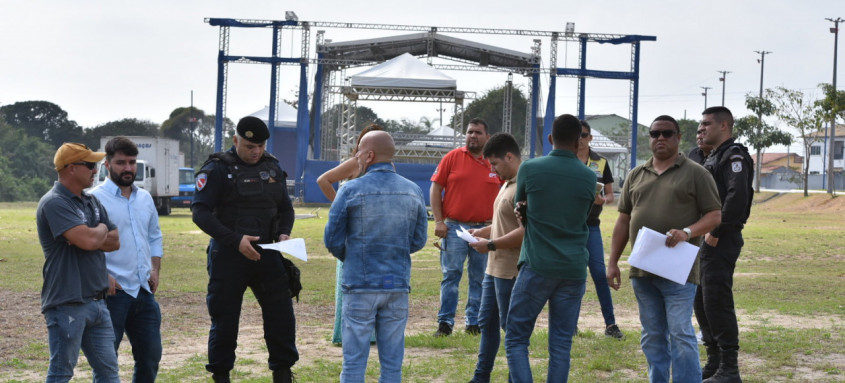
<point>375,223</point>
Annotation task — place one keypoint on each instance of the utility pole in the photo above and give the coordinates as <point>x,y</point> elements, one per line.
<point>762,62</point>
<point>722,79</point>
<point>830,175</point>
<point>192,122</point>
<point>441,109</point>
<point>705,95</point>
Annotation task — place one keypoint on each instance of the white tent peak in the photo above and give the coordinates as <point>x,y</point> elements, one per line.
<point>445,134</point>
<point>443,131</point>
<point>403,71</point>
<point>286,116</point>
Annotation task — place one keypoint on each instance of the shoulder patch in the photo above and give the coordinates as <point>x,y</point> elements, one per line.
<point>736,166</point>
<point>202,179</point>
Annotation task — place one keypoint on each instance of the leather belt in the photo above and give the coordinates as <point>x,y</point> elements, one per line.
<point>469,223</point>
<point>100,295</point>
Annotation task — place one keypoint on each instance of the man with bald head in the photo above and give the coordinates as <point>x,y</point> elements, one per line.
<point>375,222</point>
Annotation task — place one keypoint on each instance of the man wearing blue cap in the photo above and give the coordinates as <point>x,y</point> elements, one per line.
<point>241,200</point>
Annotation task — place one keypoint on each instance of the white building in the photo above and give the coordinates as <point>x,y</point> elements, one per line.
<point>820,151</point>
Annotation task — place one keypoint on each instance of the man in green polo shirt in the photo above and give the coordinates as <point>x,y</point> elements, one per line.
<point>674,195</point>
<point>557,192</point>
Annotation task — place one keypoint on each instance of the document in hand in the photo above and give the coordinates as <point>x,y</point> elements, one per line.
<point>293,246</point>
<point>465,235</point>
<point>651,254</point>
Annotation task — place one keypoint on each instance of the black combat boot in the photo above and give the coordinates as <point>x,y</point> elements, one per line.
<point>728,371</point>
<point>713,360</point>
<point>220,377</point>
<point>283,375</point>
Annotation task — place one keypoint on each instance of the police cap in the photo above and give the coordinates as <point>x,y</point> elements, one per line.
<point>253,129</point>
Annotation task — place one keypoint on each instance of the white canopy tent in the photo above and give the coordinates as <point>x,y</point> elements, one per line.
<point>444,133</point>
<point>605,146</point>
<point>403,71</point>
<point>285,116</point>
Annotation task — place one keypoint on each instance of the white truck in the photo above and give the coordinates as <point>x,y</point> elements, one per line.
<point>159,161</point>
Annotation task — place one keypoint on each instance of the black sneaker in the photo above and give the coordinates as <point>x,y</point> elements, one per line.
<point>443,330</point>
<point>613,332</point>
<point>220,377</point>
<point>473,329</point>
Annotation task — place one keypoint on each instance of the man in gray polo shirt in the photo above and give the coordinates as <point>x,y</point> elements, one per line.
<point>74,231</point>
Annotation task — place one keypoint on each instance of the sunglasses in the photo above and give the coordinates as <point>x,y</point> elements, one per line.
<point>89,165</point>
<point>584,135</point>
<point>665,133</point>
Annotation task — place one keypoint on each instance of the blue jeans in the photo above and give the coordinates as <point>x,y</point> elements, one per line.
<point>455,252</point>
<point>387,312</point>
<point>668,339</point>
<point>140,319</point>
<point>495,294</point>
<point>599,274</point>
<point>529,295</point>
<point>85,326</point>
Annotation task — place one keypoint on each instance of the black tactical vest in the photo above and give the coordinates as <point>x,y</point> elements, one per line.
<point>252,196</point>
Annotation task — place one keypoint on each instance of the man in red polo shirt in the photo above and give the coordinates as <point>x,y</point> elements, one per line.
<point>463,188</point>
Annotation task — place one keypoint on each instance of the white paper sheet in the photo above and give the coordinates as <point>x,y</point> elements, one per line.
<point>294,247</point>
<point>465,235</point>
<point>651,254</point>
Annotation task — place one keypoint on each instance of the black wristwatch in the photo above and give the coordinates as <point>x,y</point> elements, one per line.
<point>491,246</point>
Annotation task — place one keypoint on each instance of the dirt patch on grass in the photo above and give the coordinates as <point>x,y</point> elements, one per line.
<point>796,202</point>
<point>185,331</point>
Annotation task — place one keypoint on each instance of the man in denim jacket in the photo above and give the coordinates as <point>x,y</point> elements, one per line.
<point>375,223</point>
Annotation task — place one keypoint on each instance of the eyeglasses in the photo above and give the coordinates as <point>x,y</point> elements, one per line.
<point>584,135</point>
<point>665,133</point>
<point>89,165</point>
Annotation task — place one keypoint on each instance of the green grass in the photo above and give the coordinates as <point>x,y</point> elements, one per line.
<point>789,284</point>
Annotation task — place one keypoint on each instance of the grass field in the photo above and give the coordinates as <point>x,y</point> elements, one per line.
<point>789,289</point>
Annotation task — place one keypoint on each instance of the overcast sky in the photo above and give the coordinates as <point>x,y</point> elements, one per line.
<point>107,60</point>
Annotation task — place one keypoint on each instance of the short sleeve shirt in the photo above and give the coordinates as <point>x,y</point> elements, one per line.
<point>470,186</point>
<point>674,199</point>
<point>71,274</point>
<point>559,191</point>
<point>601,167</point>
<point>501,263</point>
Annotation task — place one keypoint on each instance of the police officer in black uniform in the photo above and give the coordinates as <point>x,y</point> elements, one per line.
<point>241,200</point>
<point>731,167</point>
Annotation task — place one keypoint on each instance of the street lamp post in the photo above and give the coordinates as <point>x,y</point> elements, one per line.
<point>830,175</point>
<point>705,95</point>
<point>723,80</point>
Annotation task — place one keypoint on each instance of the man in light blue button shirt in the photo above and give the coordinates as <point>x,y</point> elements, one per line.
<point>133,269</point>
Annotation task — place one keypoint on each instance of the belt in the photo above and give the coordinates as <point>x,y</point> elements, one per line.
<point>469,223</point>
<point>100,295</point>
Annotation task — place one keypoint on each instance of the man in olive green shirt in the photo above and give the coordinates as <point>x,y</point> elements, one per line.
<point>554,195</point>
<point>670,194</point>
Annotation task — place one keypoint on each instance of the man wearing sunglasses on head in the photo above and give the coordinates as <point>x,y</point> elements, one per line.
<point>75,231</point>
<point>671,194</point>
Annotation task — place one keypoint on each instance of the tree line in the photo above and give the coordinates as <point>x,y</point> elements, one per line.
<point>31,131</point>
